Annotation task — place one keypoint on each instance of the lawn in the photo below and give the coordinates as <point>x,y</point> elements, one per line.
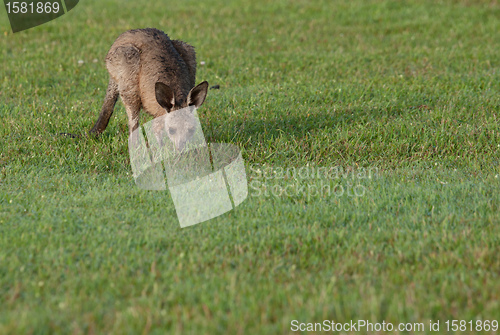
<point>370,132</point>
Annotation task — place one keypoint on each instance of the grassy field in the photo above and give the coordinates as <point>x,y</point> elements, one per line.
<point>397,100</point>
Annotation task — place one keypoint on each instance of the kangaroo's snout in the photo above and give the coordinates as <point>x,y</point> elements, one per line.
<point>181,126</point>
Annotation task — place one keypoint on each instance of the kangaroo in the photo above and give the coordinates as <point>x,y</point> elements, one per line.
<point>149,70</point>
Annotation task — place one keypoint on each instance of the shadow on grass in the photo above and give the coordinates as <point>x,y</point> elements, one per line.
<point>297,127</point>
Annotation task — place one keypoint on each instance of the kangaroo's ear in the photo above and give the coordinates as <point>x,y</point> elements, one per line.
<point>197,94</point>
<point>164,96</point>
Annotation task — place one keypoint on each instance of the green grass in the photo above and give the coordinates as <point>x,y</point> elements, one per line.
<point>408,90</point>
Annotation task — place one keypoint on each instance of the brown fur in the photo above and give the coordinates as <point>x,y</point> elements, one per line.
<point>136,62</point>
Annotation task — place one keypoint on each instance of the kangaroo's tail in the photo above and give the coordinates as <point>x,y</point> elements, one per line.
<point>107,108</point>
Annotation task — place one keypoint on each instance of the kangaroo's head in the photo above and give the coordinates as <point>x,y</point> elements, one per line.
<point>180,122</point>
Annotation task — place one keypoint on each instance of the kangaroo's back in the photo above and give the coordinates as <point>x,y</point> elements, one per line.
<point>160,60</point>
